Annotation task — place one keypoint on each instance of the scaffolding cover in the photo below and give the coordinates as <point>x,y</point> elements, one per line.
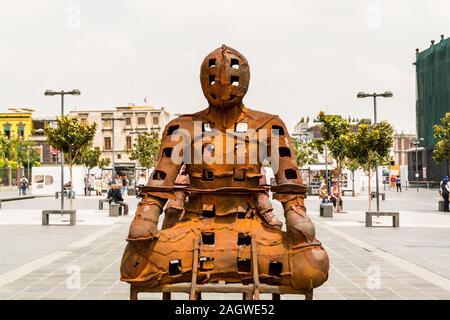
<point>433,89</point>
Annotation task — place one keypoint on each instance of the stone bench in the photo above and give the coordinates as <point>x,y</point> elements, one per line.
<point>15,198</point>
<point>115,210</point>
<point>382,194</point>
<point>347,190</point>
<point>47,213</point>
<point>441,205</point>
<point>326,210</point>
<point>101,202</point>
<point>395,217</point>
<point>57,193</point>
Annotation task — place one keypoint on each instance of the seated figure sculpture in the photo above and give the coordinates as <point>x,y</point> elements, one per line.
<point>209,181</point>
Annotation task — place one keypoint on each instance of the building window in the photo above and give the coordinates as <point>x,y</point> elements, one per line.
<point>107,143</point>
<point>155,121</point>
<point>83,120</point>
<point>128,143</point>
<point>107,123</point>
<point>7,131</point>
<point>141,121</point>
<point>128,121</point>
<point>119,156</point>
<point>21,130</point>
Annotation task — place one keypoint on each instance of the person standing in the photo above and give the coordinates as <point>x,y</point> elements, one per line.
<point>444,190</point>
<point>398,183</point>
<point>393,182</point>
<point>124,185</point>
<point>24,185</point>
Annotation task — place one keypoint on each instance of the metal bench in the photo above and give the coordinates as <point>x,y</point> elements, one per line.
<point>100,203</point>
<point>395,217</point>
<point>47,213</point>
<point>382,194</point>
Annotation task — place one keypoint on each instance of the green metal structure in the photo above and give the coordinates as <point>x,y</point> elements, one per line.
<point>433,89</point>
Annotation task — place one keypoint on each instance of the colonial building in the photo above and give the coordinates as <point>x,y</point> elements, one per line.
<point>118,129</point>
<point>48,155</point>
<point>16,124</point>
<point>402,143</point>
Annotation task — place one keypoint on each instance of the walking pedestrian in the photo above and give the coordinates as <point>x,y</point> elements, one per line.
<point>124,185</point>
<point>398,183</point>
<point>24,185</point>
<point>444,190</point>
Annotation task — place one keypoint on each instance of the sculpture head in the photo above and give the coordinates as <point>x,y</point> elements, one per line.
<point>224,76</point>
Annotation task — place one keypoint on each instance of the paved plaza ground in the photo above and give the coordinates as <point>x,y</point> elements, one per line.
<point>82,261</point>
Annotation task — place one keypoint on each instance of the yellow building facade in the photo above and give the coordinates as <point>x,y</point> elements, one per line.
<point>16,124</point>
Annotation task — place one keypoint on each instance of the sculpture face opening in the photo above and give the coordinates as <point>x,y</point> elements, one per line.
<point>224,76</point>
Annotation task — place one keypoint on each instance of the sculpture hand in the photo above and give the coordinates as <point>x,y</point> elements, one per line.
<point>145,223</point>
<point>299,226</point>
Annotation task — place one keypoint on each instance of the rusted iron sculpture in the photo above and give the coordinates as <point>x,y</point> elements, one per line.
<point>219,225</point>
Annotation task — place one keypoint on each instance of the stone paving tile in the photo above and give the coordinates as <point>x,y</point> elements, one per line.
<point>99,264</point>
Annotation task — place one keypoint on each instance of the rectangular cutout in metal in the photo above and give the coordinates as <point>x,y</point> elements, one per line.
<point>206,263</point>
<point>208,211</point>
<point>244,239</point>
<point>275,268</point>
<point>208,238</point>
<point>244,265</point>
<point>174,267</point>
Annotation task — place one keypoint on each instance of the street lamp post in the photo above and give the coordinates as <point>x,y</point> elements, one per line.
<point>62,93</point>
<point>326,169</point>
<point>386,94</point>
<point>28,163</point>
<point>416,144</point>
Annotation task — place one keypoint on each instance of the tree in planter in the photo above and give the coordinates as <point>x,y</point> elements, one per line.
<point>71,137</point>
<point>146,149</point>
<point>441,150</point>
<point>370,147</point>
<point>90,158</point>
<point>334,130</point>
<point>353,165</point>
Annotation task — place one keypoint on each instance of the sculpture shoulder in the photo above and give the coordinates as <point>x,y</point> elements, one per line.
<point>184,121</point>
<point>263,119</point>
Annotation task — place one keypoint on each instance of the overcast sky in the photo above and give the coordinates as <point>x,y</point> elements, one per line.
<point>304,56</point>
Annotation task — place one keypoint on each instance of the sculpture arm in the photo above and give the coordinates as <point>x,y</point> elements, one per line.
<point>144,225</point>
<point>290,190</point>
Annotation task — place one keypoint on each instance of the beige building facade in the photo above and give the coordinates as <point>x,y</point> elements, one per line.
<point>121,127</point>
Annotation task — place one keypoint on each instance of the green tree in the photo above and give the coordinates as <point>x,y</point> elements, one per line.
<point>305,152</point>
<point>441,150</point>
<point>370,147</point>
<point>334,130</point>
<point>146,149</point>
<point>104,162</point>
<point>71,137</point>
